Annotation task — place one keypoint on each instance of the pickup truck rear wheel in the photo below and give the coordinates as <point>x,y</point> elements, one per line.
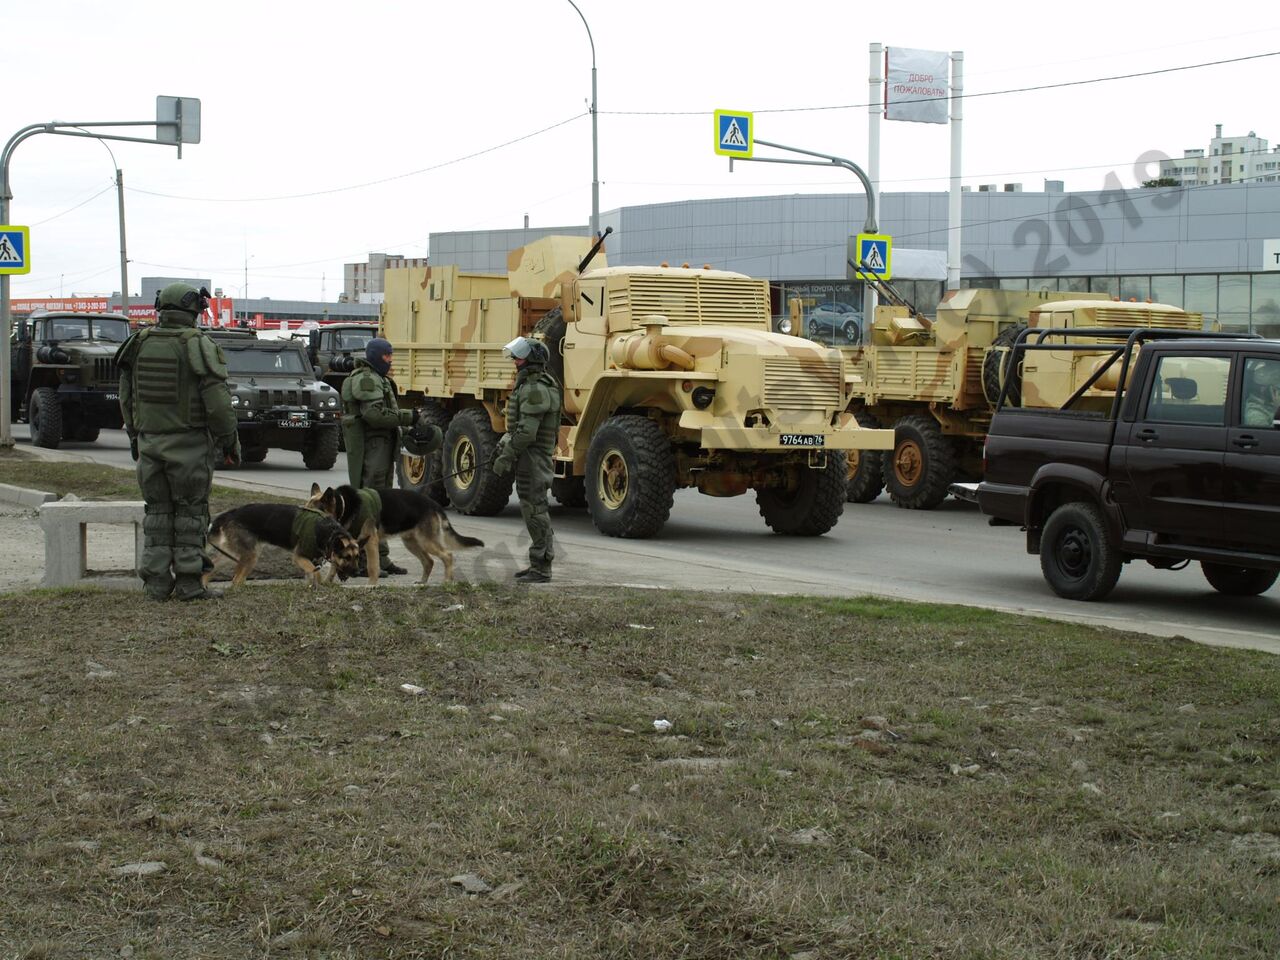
<point>1078,553</point>
<point>1238,581</point>
<point>813,505</point>
<point>421,474</point>
<point>252,454</point>
<point>631,477</point>
<point>866,467</point>
<point>45,417</point>
<point>467,453</point>
<point>919,469</point>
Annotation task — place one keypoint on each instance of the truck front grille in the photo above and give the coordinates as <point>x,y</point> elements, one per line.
<point>284,398</point>
<point>692,299</point>
<point>798,384</point>
<point>105,370</point>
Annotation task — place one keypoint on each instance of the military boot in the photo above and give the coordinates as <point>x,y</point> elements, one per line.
<point>530,575</point>
<point>188,588</point>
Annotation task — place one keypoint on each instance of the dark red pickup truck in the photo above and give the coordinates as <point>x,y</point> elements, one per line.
<point>1185,466</point>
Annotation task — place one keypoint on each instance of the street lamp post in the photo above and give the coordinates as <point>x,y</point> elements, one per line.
<point>124,258</point>
<point>595,139</point>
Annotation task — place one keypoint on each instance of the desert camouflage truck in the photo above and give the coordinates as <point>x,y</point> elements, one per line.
<point>671,378</point>
<point>936,382</point>
<point>64,376</point>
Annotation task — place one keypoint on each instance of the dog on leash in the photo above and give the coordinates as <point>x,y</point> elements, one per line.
<point>311,537</point>
<point>371,515</point>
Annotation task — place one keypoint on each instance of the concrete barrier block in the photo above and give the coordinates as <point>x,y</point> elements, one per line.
<point>64,522</point>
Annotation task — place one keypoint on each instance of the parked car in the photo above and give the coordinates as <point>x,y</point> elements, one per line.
<point>1169,453</point>
<point>835,323</point>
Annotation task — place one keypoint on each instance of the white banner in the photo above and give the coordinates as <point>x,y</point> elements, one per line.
<point>1271,254</point>
<point>916,85</point>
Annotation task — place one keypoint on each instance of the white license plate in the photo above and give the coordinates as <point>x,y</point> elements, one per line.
<point>297,420</point>
<point>802,440</point>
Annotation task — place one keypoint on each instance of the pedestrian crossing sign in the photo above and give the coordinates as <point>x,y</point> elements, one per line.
<point>734,133</point>
<point>875,256</point>
<point>14,249</point>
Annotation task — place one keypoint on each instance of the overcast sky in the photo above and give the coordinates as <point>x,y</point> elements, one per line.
<point>334,129</point>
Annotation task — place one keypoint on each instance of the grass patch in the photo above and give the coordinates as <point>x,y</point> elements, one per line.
<point>1041,789</point>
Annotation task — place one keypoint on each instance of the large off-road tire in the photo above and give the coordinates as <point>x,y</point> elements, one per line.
<point>320,451</point>
<point>631,477</point>
<point>922,464</point>
<point>866,467</point>
<point>997,365</point>
<point>469,446</point>
<point>570,491</point>
<point>813,505</point>
<point>1238,581</point>
<point>421,474</point>
<point>1078,553</point>
<point>252,454</point>
<point>45,417</point>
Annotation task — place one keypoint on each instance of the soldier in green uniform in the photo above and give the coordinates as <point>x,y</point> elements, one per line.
<point>371,425</point>
<point>533,425</point>
<point>177,412</point>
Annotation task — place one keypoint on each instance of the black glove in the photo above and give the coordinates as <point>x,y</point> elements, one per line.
<point>133,446</point>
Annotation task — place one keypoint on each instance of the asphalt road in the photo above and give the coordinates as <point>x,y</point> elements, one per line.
<point>948,555</point>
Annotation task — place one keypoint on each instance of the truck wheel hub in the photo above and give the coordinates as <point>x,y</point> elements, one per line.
<point>464,463</point>
<point>613,481</point>
<point>415,468</point>
<point>908,463</point>
<point>1074,552</point>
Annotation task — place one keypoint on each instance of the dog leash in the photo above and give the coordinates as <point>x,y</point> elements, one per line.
<point>224,553</point>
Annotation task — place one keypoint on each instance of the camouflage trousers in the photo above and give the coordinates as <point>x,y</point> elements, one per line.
<point>533,479</point>
<point>175,472</point>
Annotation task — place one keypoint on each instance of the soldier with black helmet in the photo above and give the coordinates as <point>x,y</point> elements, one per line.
<point>533,426</point>
<point>372,422</point>
<point>177,412</point>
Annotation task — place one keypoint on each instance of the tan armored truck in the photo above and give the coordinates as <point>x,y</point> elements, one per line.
<point>936,382</point>
<point>672,378</point>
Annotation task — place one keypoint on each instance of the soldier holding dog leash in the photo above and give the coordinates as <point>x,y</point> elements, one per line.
<point>371,425</point>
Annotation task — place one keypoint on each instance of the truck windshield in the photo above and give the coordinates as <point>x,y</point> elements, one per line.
<point>82,328</point>
<point>259,361</point>
<point>350,339</point>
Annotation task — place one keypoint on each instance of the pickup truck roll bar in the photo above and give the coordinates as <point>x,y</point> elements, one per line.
<point>1129,335</point>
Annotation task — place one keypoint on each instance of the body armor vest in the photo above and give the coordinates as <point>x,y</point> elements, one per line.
<point>166,395</point>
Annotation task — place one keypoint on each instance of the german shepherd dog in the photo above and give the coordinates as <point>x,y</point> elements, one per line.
<point>421,523</point>
<point>239,533</point>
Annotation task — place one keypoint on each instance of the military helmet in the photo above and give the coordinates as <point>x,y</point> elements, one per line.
<point>527,349</point>
<point>184,297</point>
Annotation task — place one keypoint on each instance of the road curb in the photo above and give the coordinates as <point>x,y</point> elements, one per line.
<point>24,497</point>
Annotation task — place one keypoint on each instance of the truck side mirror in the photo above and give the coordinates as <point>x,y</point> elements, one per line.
<point>24,332</point>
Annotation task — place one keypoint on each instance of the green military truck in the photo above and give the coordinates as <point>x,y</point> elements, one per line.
<point>64,378</point>
<point>279,403</point>
<point>335,347</point>
<point>935,381</point>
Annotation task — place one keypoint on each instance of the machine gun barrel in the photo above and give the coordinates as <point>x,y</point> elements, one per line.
<point>594,250</point>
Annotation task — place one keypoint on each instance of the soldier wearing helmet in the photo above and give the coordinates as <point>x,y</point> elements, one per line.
<point>177,412</point>
<point>1262,393</point>
<point>371,426</point>
<point>533,425</point>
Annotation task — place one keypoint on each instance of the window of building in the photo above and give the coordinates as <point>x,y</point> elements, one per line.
<point>1108,285</point>
<point>1049,284</point>
<point>1233,301</point>
<point>1074,284</point>
<point>1013,283</point>
<point>1201,294</point>
<point>1167,290</point>
<point>1266,304</point>
<point>1135,288</point>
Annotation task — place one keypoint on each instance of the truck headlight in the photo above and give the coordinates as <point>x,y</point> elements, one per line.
<point>784,325</point>
<point>331,402</point>
<point>235,401</point>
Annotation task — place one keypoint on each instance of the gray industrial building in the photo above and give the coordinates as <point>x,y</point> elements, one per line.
<point>1214,249</point>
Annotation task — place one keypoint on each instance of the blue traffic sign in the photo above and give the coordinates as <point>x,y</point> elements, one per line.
<point>875,255</point>
<point>734,133</point>
<point>14,248</point>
